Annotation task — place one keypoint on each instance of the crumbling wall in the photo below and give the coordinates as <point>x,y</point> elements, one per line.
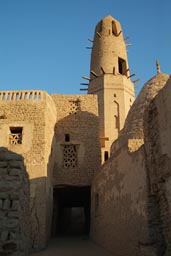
<point>157,125</point>
<point>14,205</point>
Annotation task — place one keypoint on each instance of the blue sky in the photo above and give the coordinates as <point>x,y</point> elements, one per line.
<point>42,42</point>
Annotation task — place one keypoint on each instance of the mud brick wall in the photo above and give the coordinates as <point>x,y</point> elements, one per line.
<point>77,116</point>
<point>14,205</point>
<point>157,125</point>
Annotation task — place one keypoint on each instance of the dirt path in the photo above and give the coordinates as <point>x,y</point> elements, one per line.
<point>72,247</point>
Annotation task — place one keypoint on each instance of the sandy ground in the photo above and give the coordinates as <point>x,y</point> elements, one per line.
<point>72,247</point>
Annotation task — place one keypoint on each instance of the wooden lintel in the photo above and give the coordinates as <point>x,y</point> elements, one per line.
<point>83,89</point>
<point>131,75</point>
<point>104,138</point>
<point>89,39</point>
<point>86,78</point>
<point>94,73</point>
<point>98,34</point>
<point>102,70</point>
<point>137,80</point>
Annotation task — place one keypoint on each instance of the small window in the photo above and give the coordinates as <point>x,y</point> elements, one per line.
<point>15,136</point>
<point>121,66</point>
<point>106,155</point>
<point>67,138</point>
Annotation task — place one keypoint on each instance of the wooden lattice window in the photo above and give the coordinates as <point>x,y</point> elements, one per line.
<point>15,136</point>
<point>70,156</point>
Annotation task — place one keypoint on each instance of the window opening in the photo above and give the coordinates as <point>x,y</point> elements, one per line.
<point>74,107</point>
<point>67,137</point>
<point>70,156</point>
<point>106,155</point>
<point>121,66</point>
<point>15,136</point>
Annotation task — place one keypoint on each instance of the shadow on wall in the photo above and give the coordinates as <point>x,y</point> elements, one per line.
<point>75,157</point>
<point>75,152</point>
<point>14,204</point>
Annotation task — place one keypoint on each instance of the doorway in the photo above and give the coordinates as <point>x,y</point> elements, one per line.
<point>71,210</point>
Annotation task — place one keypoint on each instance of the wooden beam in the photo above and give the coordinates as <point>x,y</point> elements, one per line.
<point>104,138</point>
<point>102,70</point>
<point>128,45</point>
<point>130,75</point>
<point>83,89</point>
<point>86,78</point>
<point>84,84</point>
<point>98,34</point>
<point>89,39</point>
<point>87,47</point>
<point>94,73</point>
<point>126,38</point>
<point>137,80</point>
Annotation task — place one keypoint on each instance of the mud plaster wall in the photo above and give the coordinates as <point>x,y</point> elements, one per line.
<point>82,126</point>
<point>119,204</point>
<point>14,205</point>
<point>157,141</point>
<point>31,115</point>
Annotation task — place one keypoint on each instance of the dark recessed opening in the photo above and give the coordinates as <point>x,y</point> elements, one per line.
<point>122,66</point>
<point>16,130</point>
<point>106,155</point>
<point>67,138</point>
<point>15,136</point>
<point>71,211</point>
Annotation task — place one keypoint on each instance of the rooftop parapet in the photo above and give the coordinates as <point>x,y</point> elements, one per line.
<point>22,95</point>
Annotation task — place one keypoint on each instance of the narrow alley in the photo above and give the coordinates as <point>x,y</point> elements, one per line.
<point>72,247</point>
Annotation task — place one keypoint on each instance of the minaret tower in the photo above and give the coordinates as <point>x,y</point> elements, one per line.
<point>110,80</point>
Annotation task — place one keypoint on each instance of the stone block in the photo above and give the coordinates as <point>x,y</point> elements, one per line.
<point>3,164</point>
<point>14,172</point>
<point>4,235</point>
<point>15,205</point>
<point>1,203</point>
<point>12,223</point>
<point>6,204</point>
<point>3,171</point>
<point>16,164</point>
<point>14,214</point>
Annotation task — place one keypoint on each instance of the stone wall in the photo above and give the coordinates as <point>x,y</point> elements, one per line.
<point>30,111</point>
<point>14,205</point>
<point>157,142</point>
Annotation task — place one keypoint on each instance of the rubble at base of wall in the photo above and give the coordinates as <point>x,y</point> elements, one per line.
<point>14,205</point>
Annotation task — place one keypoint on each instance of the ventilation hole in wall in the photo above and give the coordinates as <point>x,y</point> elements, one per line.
<point>15,136</point>
<point>67,137</point>
<point>114,95</point>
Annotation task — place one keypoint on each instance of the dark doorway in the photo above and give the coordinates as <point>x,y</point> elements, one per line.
<point>71,211</point>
